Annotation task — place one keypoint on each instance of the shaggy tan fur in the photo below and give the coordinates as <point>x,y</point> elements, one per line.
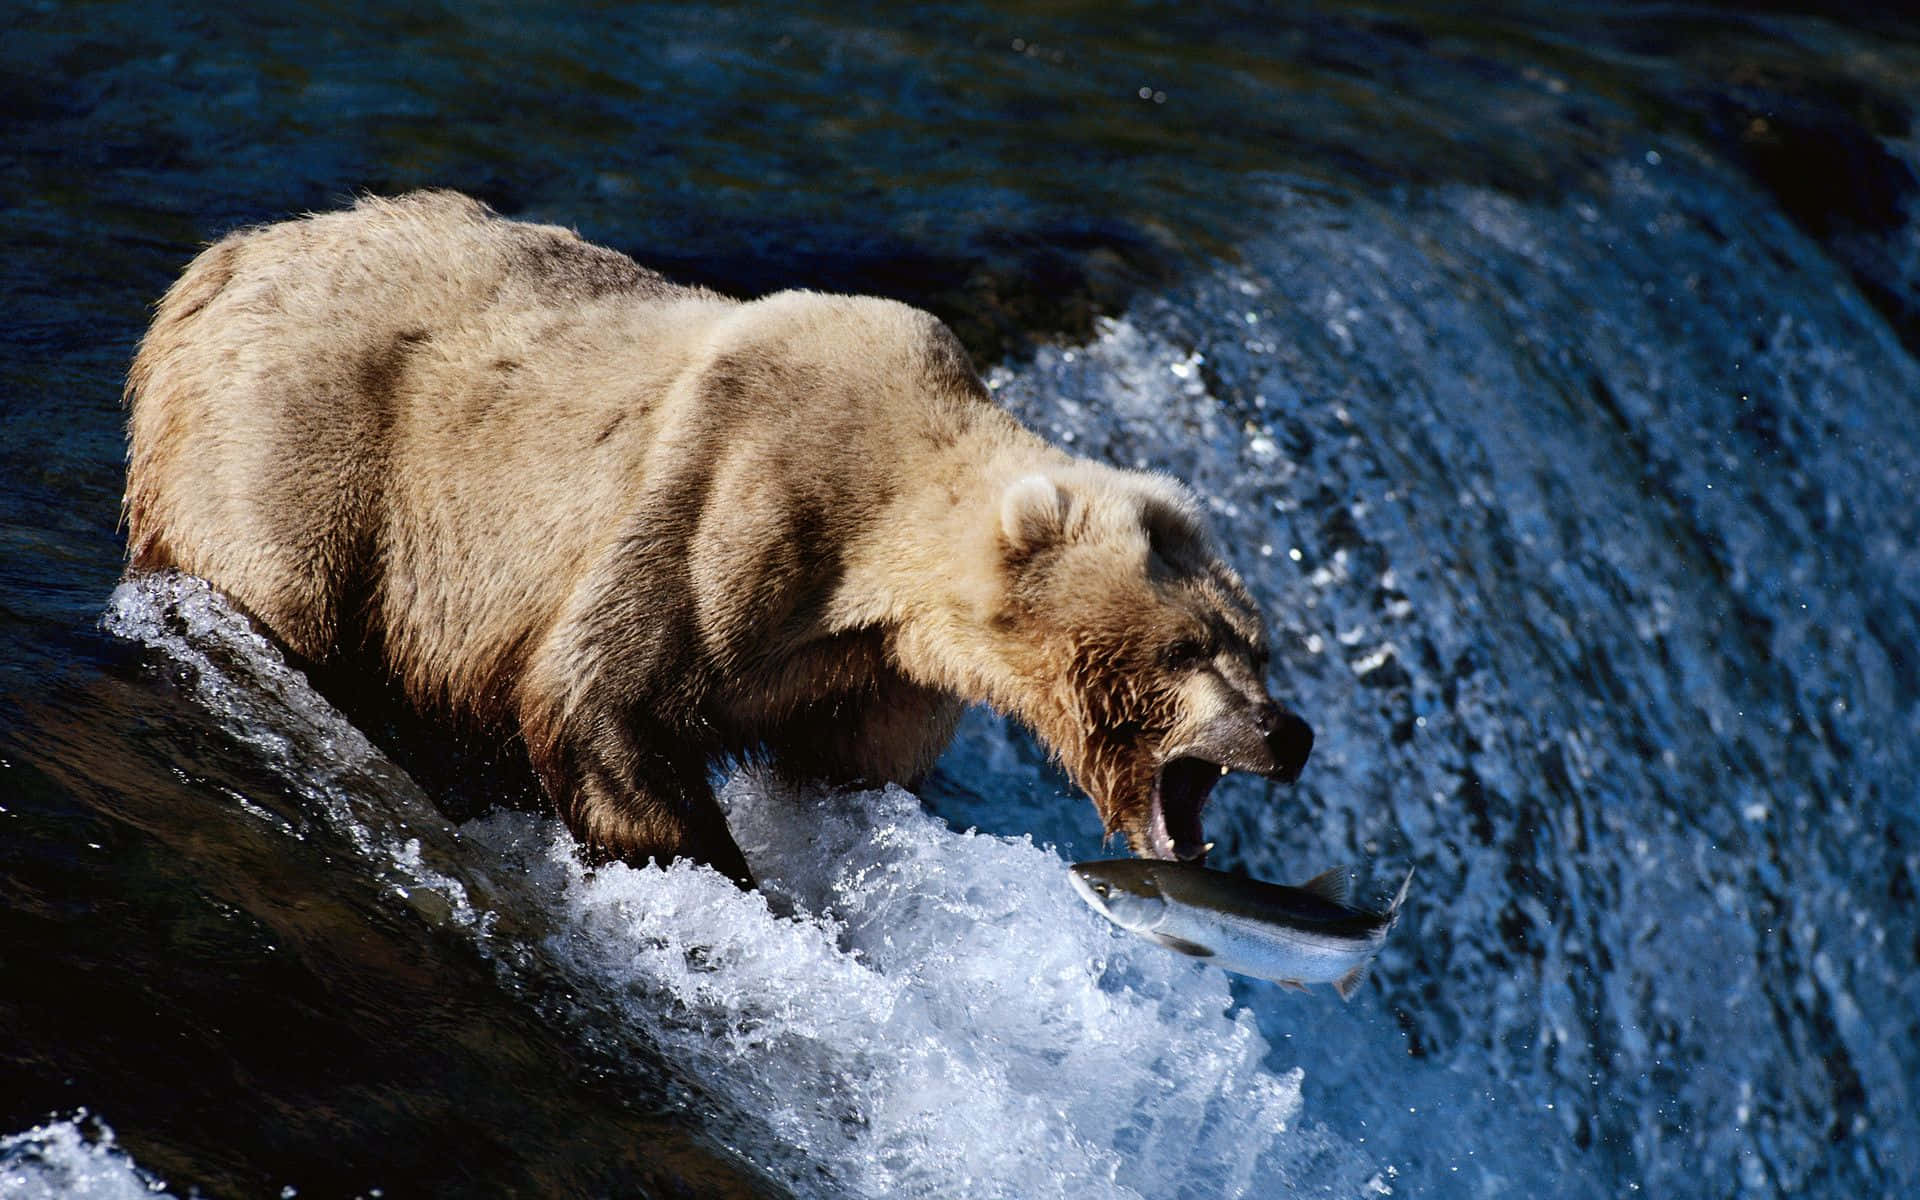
<point>653,527</point>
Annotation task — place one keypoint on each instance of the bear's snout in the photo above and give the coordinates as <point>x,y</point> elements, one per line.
<point>1289,741</point>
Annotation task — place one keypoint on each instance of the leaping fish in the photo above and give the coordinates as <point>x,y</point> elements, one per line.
<point>1291,935</point>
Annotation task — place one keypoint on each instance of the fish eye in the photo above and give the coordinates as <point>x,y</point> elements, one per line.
<point>1101,889</point>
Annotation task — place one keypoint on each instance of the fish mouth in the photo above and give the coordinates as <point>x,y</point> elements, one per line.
<point>1180,791</point>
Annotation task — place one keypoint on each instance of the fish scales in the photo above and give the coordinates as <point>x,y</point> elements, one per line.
<point>1292,935</point>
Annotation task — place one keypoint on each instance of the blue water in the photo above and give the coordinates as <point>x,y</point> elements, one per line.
<point>1549,373</point>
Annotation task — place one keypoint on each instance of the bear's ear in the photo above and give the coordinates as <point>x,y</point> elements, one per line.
<point>1033,514</point>
<point>1172,536</point>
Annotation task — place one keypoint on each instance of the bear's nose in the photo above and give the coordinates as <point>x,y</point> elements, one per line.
<point>1289,741</point>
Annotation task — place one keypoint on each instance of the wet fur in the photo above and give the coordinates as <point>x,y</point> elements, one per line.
<point>650,527</point>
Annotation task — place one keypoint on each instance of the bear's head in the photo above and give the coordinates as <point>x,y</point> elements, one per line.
<point>1138,654</point>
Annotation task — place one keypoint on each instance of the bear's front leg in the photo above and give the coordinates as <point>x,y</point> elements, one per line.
<point>632,794</point>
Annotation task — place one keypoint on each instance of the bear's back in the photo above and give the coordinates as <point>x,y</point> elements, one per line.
<point>420,426</point>
<point>276,394</point>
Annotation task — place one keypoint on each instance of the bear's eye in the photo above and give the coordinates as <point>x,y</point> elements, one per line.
<point>1185,653</point>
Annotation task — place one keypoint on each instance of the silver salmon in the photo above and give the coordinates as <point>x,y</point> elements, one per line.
<point>1291,935</point>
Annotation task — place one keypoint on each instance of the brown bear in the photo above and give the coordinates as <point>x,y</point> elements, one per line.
<point>651,527</point>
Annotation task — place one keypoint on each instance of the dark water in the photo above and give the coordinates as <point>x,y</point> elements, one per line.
<point>1550,372</point>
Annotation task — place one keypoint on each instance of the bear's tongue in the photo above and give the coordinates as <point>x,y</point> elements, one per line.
<point>1179,796</point>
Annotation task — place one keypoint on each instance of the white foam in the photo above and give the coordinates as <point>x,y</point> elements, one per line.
<point>944,1018</point>
<point>71,1160</point>
<point>919,1012</point>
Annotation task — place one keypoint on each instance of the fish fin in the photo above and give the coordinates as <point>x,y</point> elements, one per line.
<point>1292,985</point>
<point>1181,945</point>
<point>1350,983</point>
<point>1399,897</point>
<point>1330,885</point>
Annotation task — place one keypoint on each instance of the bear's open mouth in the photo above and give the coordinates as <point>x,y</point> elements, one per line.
<point>1179,793</point>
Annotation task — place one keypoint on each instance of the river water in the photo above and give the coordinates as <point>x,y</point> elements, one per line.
<point>1550,374</point>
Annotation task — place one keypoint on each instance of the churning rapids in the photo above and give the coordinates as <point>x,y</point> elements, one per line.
<point>927,1025</point>
<point>1585,517</point>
